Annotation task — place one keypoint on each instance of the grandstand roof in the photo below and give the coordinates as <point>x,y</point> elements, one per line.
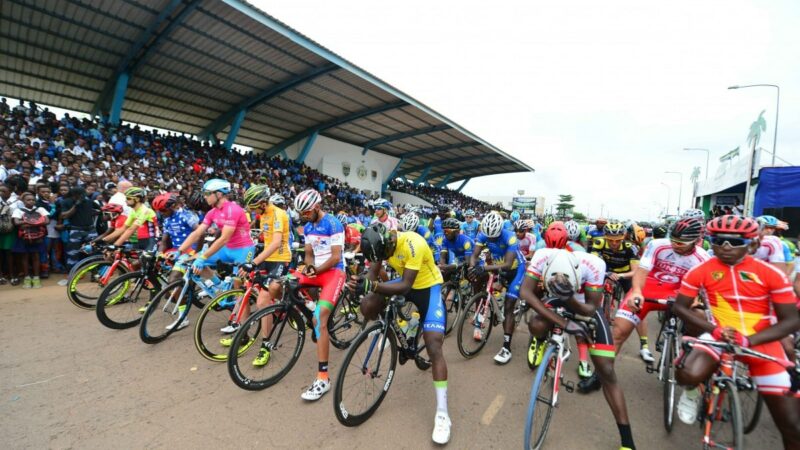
<point>204,66</point>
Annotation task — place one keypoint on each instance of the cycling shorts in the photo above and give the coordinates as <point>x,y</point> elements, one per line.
<point>770,377</point>
<point>514,279</point>
<point>274,269</point>
<point>241,255</point>
<point>331,281</point>
<point>603,345</point>
<point>626,313</point>
<point>430,306</point>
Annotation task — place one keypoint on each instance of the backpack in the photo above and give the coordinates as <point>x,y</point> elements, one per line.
<point>6,225</point>
<point>36,229</point>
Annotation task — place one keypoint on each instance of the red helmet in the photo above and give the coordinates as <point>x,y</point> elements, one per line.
<point>164,201</point>
<point>747,227</point>
<point>556,235</point>
<point>112,208</point>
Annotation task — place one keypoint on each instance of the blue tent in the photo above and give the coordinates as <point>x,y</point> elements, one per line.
<point>778,187</point>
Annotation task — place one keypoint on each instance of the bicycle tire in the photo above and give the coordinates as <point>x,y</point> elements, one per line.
<point>122,294</point>
<point>452,307</point>
<point>668,376</point>
<point>345,322</point>
<point>733,413</point>
<point>751,416</point>
<point>212,318</point>
<point>542,386</point>
<point>151,330</point>
<point>468,313</point>
<point>282,315</point>
<point>357,370</point>
<point>87,298</point>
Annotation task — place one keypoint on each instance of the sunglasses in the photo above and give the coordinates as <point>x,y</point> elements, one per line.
<point>682,243</point>
<point>207,193</point>
<point>731,241</point>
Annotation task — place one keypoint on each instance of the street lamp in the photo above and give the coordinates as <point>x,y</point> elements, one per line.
<point>777,106</point>
<point>666,210</point>
<point>680,189</point>
<point>708,156</point>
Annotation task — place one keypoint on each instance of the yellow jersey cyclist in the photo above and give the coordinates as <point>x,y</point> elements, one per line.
<point>421,283</point>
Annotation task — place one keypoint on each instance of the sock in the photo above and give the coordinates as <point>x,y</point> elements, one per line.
<point>265,343</point>
<point>441,396</point>
<point>691,393</point>
<point>626,435</point>
<point>507,341</point>
<point>583,352</point>
<point>643,342</point>
<point>323,371</point>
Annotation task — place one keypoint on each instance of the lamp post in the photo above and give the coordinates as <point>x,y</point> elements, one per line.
<point>708,156</point>
<point>777,107</point>
<point>666,210</point>
<point>680,189</point>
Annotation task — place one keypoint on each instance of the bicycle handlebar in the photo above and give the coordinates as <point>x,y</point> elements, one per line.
<point>736,350</point>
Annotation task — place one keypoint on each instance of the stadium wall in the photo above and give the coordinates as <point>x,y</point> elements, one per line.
<point>401,198</point>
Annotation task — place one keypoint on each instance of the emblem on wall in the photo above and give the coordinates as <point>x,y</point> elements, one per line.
<point>346,169</point>
<point>362,171</point>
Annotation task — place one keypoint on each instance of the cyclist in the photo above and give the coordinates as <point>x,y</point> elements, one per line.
<point>456,247</point>
<point>659,274</point>
<point>382,208</point>
<point>352,235</point>
<point>410,222</point>
<point>596,230</point>
<point>564,275</point>
<point>509,262</point>
<point>744,295</point>
<point>527,241</point>
<point>113,214</point>
<point>770,248</point>
<point>421,283</point>
<point>324,267</point>
<point>177,224</point>
<point>561,231</point>
<point>140,226</point>
<point>574,232</point>
<point>470,226</point>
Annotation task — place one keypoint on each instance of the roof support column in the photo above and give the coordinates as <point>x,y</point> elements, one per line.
<point>443,183</point>
<point>119,97</point>
<point>237,123</point>
<point>307,147</point>
<point>463,184</point>
<point>283,154</point>
<point>424,176</point>
<point>393,174</point>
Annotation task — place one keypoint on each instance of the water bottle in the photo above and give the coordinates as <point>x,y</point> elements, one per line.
<point>227,283</point>
<point>413,328</point>
<point>498,297</point>
<point>209,286</point>
<point>403,326</point>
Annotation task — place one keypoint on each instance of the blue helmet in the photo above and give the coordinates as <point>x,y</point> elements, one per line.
<point>217,185</point>
<point>768,221</point>
<point>514,216</point>
<point>470,212</point>
<point>382,203</point>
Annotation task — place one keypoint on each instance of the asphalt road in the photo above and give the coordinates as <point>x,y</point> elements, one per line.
<point>68,382</point>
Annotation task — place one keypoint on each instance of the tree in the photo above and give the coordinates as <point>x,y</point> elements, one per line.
<point>579,216</point>
<point>564,205</point>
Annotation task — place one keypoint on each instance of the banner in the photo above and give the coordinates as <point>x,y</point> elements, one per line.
<point>523,202</point>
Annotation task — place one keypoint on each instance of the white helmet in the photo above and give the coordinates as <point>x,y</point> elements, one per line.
<point>492,224</point>
<point>693,213</point>
<point>307,200</point>
<point>561,274</point>
<point>277,200</point>
<point>573,230</point>
<point>410,222</point>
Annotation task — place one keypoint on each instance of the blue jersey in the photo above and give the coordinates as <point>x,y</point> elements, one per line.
<point>508,225</point>
<point>461,247</point>
<point>179,226</point>
<point>322,237</point>
<point>593,232</point>
<point>471,229</point>
<point>506,242</point>
<point>437,225</point>
<point>428,236</point>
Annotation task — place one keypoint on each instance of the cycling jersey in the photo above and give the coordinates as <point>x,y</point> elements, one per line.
<point>231,215</point>
<point>571,246</point>
<point>275,220</point>
<point>508,225</point>
<point>431,240</point>
<point>619,260</point>
<point>412,252</point>
<point>527,244</point>
<point>594,232</point>
<point>179,225</point>
<point>470,228</point>
<point>437,225</point>
<point>145,220</point>
<point>461,247</point>
<point>323,236</point>
<point>390,222</point>
<point>352,235</point>
<point>506,242</point>
<point>666,268</point>
<point>771,250</point>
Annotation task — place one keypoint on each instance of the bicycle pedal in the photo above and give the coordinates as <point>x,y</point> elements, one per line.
<point>569,386</point>
<point>402,358</point>
<point>650,368</point>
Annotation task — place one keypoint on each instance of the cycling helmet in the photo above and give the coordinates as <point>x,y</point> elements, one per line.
<point>342,217</point>
<point>307,200</point>
<point>694,213</point>
<point>614,229</point>
<point>573,230</point>
<point>164,201</point>
<point>277,200</point>
<point>687,229</point>
<point>601,220</point>
<point>133,192</point>
<point>514,216</point>
<point>409,222</point>
<point>256,194</point>
<point>555,236</point>
<point>112,208</point>
<point>561,274</point>
<point>638,234</point>
<point>660,231</point>
<point>217,185</point>
<point>382,204</point>
<point>470,212</point>
<point>451,224</point>
<point>746,227</point>
<point>523,225</point>
<point>376,243</point>
<point>768,221</point>
<point>197,202</point>
<point>492,225</point>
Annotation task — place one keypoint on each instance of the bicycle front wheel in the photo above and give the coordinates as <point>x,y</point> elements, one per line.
<point>542,401</point>
<point>451,297</point>
<point>667,374</point>
<point>119,303</point>
<point>752,404</point>
<point>164,315</point>
<point>726,427</point>
<point>209,338</point>
<point>474,325</point>
<point>86,283</point>
<point>345,322</point>
<point>366,375</point>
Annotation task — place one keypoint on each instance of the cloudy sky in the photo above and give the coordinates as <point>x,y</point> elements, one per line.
<point>599,97</point>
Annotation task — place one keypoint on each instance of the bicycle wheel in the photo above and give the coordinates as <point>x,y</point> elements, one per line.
<point>451,297</point>
<point>216,315</point>
<point>366,375</point>
<point>541,403</point>
<point>752,403</point>
<point>345,322</point>
<point>608,306</point>
<point>726,428</point>
<point>285,343</point>
<point>474,324</point>
<point>85,285</point>
<point>118,305</point>
<point>163,316</point>
<point>667,375</point>
<point>83,262</point>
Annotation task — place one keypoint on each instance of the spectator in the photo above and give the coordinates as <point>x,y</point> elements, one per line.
<point>8,236</point>
<point>31,222</point>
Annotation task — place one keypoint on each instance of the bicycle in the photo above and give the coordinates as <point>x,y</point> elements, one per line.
<point>613,293</point>
<point>365,368</point>
<point>454,290</point>
<point>92,274</point>
<point>721,402</point>
<point>118,304</point>
<point>667,342</point>
<point>482,312</point>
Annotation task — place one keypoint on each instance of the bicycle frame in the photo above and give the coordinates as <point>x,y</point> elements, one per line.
<point>392,312</point>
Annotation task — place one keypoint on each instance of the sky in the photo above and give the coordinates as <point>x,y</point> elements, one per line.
<point>599,98</point>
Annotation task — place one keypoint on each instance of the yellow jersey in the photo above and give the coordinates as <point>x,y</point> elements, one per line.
<point>275,220</point>
<point>412,252</point>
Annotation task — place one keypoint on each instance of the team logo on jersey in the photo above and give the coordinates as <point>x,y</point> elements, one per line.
<point>717,275</point>
<point>750,277</point>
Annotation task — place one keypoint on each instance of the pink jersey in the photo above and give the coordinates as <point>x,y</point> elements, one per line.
<point>592,267</point>
<point>388,221</point>
<point>231,215</point>
<point>667,268</point>
<point>527,244</point>
<point>771,250</point>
